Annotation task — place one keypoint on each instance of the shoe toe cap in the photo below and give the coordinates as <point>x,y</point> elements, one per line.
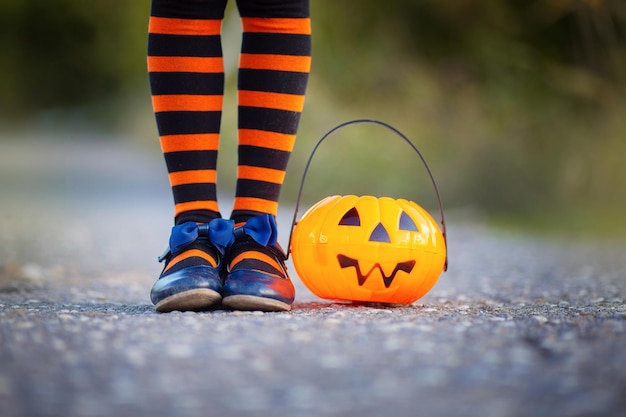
<point>259,284</point>
<point>197,277</point>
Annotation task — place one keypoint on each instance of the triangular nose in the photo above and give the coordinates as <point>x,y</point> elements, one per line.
<point>380,234</point>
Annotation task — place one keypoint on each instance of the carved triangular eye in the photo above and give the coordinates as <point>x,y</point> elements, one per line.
<point>380,234</point>
<point>407,223</point>
<point>351,218</point>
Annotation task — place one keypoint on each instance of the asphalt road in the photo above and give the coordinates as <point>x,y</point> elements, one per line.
<point>518,326</point>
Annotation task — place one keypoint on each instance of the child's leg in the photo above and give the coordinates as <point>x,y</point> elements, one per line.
<point>186,73</point>
<point>273,72</point>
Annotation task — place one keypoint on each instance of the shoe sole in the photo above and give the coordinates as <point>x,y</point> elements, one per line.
<point>193,300</point>
<point>254,303</point>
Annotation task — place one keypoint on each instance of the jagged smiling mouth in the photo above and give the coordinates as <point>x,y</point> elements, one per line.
<point>347,262</point>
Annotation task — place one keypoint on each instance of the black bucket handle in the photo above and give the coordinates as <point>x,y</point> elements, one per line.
<point>406,139</point>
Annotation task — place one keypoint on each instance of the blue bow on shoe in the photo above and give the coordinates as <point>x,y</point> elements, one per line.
<point>219,232</point>
<point>261,228</point>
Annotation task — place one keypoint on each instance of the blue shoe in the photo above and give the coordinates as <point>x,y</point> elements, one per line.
<point>191,279</point>
<point>196,288</point>
<point>256,277</point>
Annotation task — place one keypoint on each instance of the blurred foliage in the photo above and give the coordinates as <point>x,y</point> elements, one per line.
<point>67,52</point>
<point>517,105</point>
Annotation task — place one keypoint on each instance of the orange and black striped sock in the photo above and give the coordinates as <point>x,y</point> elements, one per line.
<point>186,73</point>
<point>273,71</point>
<point>274,67</point>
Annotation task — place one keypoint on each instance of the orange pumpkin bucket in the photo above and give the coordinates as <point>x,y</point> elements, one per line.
<point>368,249</point>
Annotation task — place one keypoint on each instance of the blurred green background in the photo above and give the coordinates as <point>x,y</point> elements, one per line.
<point>518,106</point>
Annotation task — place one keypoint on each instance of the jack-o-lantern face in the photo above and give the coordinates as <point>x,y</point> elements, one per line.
<point>368,249</point>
